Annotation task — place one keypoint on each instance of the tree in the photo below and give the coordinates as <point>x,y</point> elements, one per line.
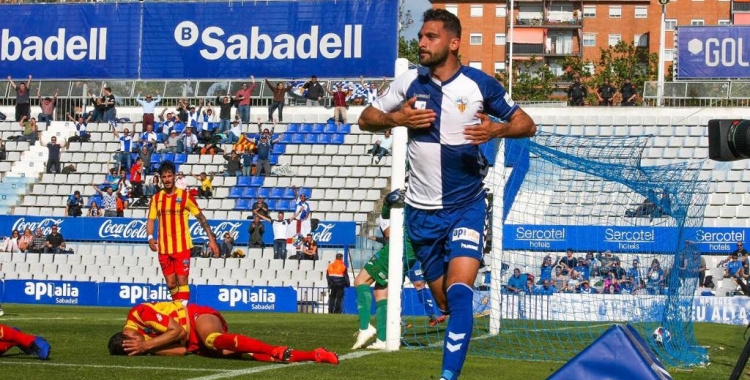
<point>624,60</point>
<point>533,81</point>
<point>408,49</point>
<point>405,20</point>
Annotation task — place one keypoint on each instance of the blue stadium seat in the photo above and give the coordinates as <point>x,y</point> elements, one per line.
<point>276,193</point>
<point>292,128</point>
<point>271,204</point>
<point>291,205</point>
<point>249,192</point>
<point>345,129</point>
<point>317,128</point>
<point>286,138</point>
<point>236,192</point>
<point>256,181</point>
<point>311,138</point>
<point>179,127</point>
<point>337,139</point>
<point>180,158</point>
<point>305,128</point>
<point>242,204</point>
<point>157,125</point>
<point>330,128</point>
<point>306,191</point>
<point>324,138</point>
<point>278,149</point>
<point>243,181</point>
<point>253,136</point>
<point>288,193</point>
<point>167,157</point>
<point>274,159</point>
<point>298,138</point>
<point>155,158</point>
<point>160,137</point>
<point>263,192</point>
<point>212,126</point>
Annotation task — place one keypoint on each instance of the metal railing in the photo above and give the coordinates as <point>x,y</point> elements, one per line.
<point>718,93</point>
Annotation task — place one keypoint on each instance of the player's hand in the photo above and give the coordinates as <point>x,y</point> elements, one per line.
<point>213,247</point>
<point>394,198</point>
<point>153,245</point>
<point>410,117</point>
<point>135,345</point>
<point>484,131</point>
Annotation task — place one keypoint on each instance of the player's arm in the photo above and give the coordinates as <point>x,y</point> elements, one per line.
<point>393,109</point>
<point>150,225</point>
<point>173,334</point>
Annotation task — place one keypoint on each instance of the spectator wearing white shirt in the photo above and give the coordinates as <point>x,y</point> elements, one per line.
<point>149,106</point>
<point>181,181</point>
<point>382,146</point>
<point>280,229</point>
<point>149,139</point>
<point>10,244</point>
<point>189,141</point>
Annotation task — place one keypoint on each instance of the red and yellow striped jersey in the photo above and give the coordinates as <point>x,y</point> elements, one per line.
<point>172,212</point>
<point>152,319</point>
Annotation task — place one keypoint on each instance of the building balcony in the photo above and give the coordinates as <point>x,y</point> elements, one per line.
<point>550,23</point>
<point>738,7</point>
<point>540,50</point>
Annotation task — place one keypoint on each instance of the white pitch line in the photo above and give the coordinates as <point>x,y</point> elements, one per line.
<point>248,371</point>
<point>37,318</point>
<point>39,362</point>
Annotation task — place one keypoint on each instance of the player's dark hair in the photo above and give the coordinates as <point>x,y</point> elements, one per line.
<point>167,166</point>
<point>115,344</point>
<point>450,22</point>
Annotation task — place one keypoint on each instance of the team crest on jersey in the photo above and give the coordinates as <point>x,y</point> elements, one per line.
<point>179,200</point>
<point>461,103</point>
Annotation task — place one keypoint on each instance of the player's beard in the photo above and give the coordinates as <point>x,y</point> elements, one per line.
<point>434,59</point>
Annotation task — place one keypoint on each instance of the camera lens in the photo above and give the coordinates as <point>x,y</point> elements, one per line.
<point>738,138</point>
<point>728,140</point>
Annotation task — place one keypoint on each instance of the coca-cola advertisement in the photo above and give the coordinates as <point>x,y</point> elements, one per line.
<point>122,230</point>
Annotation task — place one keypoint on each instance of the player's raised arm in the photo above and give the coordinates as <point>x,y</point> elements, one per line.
<point>135,346</point>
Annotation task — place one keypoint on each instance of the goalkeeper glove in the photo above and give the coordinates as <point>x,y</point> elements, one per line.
<point>394,198</point>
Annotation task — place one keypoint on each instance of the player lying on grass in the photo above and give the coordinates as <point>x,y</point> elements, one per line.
<point>376,271</point>
<point>13,337</point>
<point>171,329</point>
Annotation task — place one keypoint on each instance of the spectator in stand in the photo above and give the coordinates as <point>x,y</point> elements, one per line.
<point>227,246</point>
<point>74,206</point>
<point>110,112</point>
<point>124,157</point>
<point>243,98</point>
<point>208,118</point>
<point>279,93</point>
<point>97,114</point>
<point>280,229</point>
<point>167,123</point>
<point>23,106</point>
<point>181,181</point>
<point>172,143</point>
<point>635,275</point>
<point>94,210</point>
<point>577,93</point>
<point>573,282</point>
<point>232,136</point>
<point>256,231</point>
<point>314,93</point>
<point>582,267</point>
<point>247,162</point>
<point>611,284</point>
<point>30,131</point>
<point>81,124</point>
<point>112,179</point>
<point>260,209</point>
<point>529,287</point>
<point>593,264</point>
<point>608,262</point>
<point>26,240</point>
<point>547,267</point>
<point>742,256</point>
<point>189,142</point>
<point>149,106</point>
<point>39,242</point>
<point>149,138</point>
<point>55,242</point>
<point>109,200</point>
<point>225,112</point>
<point>182,111</point>
<point>655,278</point>
<point>516,282</point>
<point>605,93</point>
<point>53,157</point>
<point>206,188</point>
<point>309,248</point>
<point>339,94</point>
<point>382,147</point>
<point>569,262</point>
<point>152,186</point>
<point>47,105</point>
<point>372,91</point>
<point>124,189</point>
<point>264,149</point>
<point>3,151</point>
<point>619,271</point>
<point>145,156</point>
<point>546,289</point>
<point>10,243</point>
<point>628,93</point>
<point>234,165</point>
<point>194,117</point>
<point>586,288</point>
<point>560,280</point>
<point>303,212</point>
<point>137,174</point>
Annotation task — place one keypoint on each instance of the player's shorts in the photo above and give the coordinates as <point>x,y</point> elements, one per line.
<point>194,344</point>
<point>176,263</point>
<point>377,266</point>
<point>415,273</point>
<point>441,235</point>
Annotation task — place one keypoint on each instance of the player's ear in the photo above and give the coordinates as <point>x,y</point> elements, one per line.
<point>115,344</point>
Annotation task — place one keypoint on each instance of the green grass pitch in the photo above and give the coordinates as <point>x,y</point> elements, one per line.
<point>79,337</point>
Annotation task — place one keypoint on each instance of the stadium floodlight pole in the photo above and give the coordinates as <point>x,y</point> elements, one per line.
<point>497,173</point>
<point>396,239</point>
<point>510,47</point>
<point>662,42</point>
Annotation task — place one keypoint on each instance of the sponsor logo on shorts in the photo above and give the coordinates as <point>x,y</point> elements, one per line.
<point>467,234</point>
<point>186,263</point>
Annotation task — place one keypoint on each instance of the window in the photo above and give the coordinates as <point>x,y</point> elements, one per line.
<point>641,12</point>
<point>614,39</point>
<point>724,22</point>
<point>668,55</point>
<point>615,11</point>
<point>670,25</point>
<point>477,11</point>
<point>499,67</point>
<point>697,22</point>
<point>452,8</point>
<point>589,39</point>
<point>640,40</point>
<point>475,39</point>
<point>475,64</point>
<point>589,11</point>
<point>501,11</point>
<point>500,39</point>
<point>589,67</point>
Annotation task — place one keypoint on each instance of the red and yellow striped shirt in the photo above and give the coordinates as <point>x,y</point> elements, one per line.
<point>172,211</point>
<point>152,319</point>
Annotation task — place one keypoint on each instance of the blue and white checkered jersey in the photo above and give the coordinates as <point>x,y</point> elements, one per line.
<point>445,169</point>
